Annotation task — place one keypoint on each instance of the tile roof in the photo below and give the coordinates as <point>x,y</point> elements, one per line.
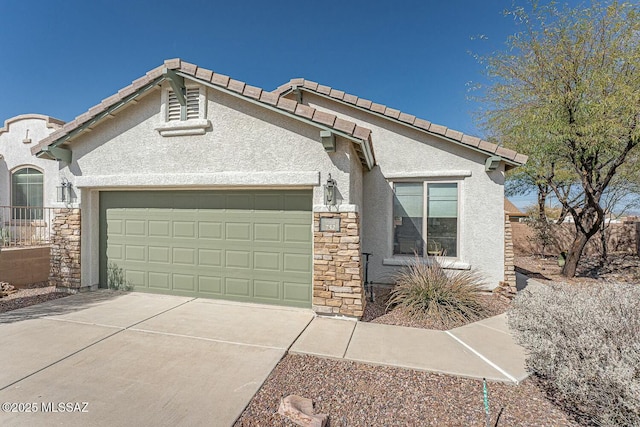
<point>512,209</point>
<point>156,75</point>
<point>397,115</point>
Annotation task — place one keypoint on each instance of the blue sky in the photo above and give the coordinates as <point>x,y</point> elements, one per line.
<point>61,57</point>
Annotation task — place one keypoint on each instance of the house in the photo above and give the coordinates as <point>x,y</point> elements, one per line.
<point>189,182</point>
<point>515,214</point>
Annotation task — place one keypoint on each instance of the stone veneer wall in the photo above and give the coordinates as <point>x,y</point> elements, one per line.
<point>65,249</point>
<point>509,265</point>
<point>337,267</point>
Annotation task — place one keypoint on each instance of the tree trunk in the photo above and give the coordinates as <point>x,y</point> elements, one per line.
<point>603,242</point>
<point>575,253</point>
<point>542,200</point>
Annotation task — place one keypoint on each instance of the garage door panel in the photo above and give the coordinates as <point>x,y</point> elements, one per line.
<point>159,228</point>
<point>298,292</point>
<point>135,253</point>
<point>265,289</point>
<point>183,229</point>
<point>266,261</point>
<point>210,230</point>
<point>184,282</point>
<point>210,285</point>
<point>159,254</point>
<point>136,278</point>
<point>184,256</point>
<point>209,257</point>
<point>299,263</point>
<point>237,287</point>
<point>242,245</point>
<point>159,280</point>
<point>238,231</point>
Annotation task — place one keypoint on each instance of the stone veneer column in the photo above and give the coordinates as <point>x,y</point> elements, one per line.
<point>65,248</point>
<point>337,267</point>
<point>509,264</point>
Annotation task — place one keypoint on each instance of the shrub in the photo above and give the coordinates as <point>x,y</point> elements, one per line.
<point>425,289</point>
<point>584,345</point>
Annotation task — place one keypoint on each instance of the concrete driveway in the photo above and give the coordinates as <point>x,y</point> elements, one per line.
<point>138,359</point>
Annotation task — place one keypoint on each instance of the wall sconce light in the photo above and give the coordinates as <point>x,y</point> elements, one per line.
<point>330,192</point>
<point>65,192</point>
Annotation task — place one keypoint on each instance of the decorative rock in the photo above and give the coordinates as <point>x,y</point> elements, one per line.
<point>300,411</point>
<point>6,289</point>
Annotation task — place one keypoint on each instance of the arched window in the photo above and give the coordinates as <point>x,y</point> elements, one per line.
<point>27,193</point>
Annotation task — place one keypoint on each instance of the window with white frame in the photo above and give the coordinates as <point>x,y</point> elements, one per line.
<point>425,218</point>
<point>27,193</point>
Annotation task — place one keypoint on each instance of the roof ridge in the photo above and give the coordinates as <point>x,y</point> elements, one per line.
<point>400,116</point>
<point>309,113</point>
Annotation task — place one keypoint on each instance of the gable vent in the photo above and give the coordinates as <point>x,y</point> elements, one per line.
<point>193,105</point>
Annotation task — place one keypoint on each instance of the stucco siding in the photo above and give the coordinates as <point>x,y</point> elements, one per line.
<point>407,154</point>
<point>16,154</point>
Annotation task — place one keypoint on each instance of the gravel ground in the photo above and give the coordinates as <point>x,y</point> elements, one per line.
<point>376,312</point>
<point>30,295</point>
<point>355,394</point>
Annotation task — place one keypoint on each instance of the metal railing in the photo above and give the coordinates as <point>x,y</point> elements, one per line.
<point>25,226</point>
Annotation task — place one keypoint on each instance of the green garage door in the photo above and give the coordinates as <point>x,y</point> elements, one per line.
<point>242,245</point>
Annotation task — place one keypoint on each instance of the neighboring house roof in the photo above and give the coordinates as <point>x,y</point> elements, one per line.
<point>51,122</point>
<point>350,130</point>
<point>407,119</point>
<point>512,210</point>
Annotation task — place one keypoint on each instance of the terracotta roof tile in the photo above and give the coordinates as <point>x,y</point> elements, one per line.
<point>407,118</point>
<point>487,146</point>
<point>138,83</point>
<point>111,100</point>
<point>173,64</point>
<point>471,140</point>
<point>324,118</point>
<point>521,158</point>
<point>287,104</point>
<point>204,74</point>
<point>189,68</point>
<point>297,82</point>
<point>252,92</point>
<point>361,133</point>
<point>323,89</point>
<point>86,116</point>
<point>377,108</point>
<point>506,152</point>
<point>439,129</point>
<point>269,98</point>
<point>454,134</point>
<point>344,126</point>
<point>351,99</point>
<point>391,112</point>
<point>156,73</point>
<point>338,94</point>
<point>220,79</point>
<point>310,85</point>
<point>305,111</point>
<point>364,103</point>
<point>236,85</point>
<point>422,124</point>
<point>126,91</point>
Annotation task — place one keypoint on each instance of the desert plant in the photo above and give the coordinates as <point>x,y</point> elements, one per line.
<point>583,345</point>
<point>425,289</point>
<point>116,278</point>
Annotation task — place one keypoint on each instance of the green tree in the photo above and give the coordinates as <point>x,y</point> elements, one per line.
<point>567,93</point>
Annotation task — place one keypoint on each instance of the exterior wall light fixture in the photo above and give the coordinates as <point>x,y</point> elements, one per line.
<point>65,191</point>
<point>330,192</point>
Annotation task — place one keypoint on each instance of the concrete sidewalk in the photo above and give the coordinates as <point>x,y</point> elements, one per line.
<point>484,349</point>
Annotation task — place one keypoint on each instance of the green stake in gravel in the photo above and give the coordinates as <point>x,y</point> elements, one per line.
<point>485,392</point>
